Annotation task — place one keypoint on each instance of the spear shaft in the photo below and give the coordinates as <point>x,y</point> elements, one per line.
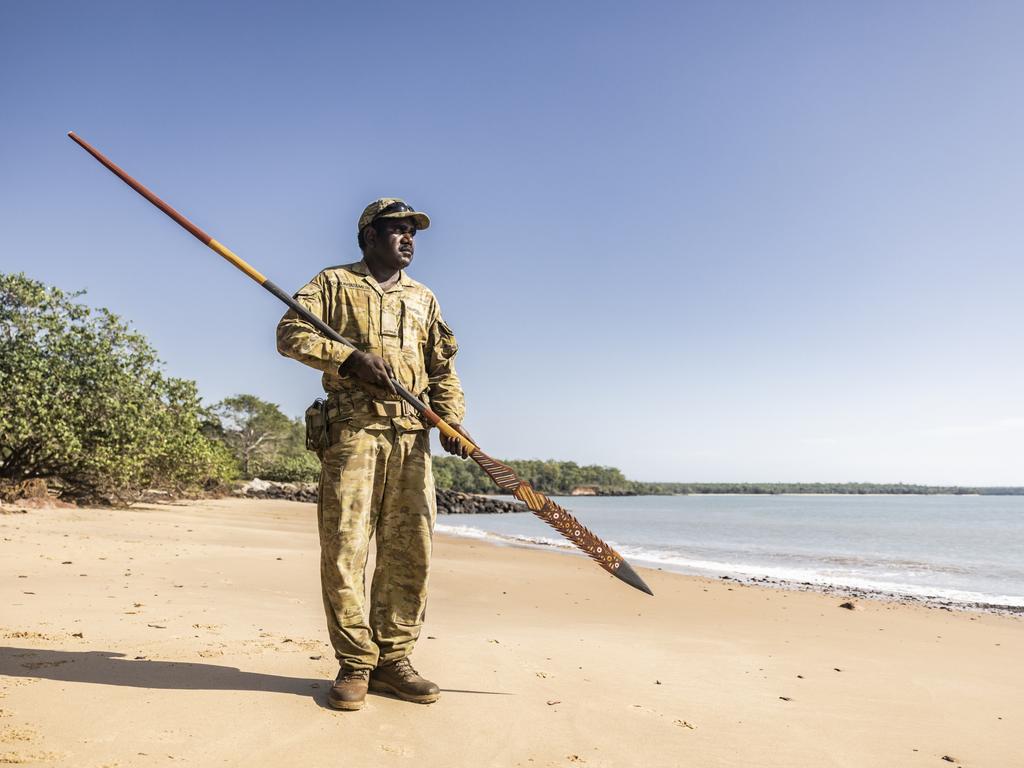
<point>503,475</point>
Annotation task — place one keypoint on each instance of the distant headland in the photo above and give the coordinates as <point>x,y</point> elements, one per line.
<point>567,478</point>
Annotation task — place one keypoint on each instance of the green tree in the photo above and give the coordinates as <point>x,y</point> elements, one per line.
<point>550,476</point>
<point>292,462</point>
<point>264,441</point>
<point>86,404</point>
<point>253,430</point>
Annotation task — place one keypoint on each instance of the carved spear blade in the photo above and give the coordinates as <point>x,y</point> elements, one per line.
<point>502,474</point>
<point>560,519</point>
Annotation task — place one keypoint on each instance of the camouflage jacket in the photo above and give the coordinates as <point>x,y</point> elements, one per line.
<point>403,325</point>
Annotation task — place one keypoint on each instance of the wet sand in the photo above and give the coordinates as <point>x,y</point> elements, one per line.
<point>193,634</point>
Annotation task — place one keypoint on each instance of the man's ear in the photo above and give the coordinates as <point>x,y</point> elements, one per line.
<point>369,235</point>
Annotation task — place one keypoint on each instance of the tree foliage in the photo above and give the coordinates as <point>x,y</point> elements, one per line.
<point>252,429</point>
<point>550,476</point>
<point>264,441</point>
<point>85,402</point>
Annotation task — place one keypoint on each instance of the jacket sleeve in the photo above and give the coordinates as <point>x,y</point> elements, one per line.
<point>298,339</point>
<point>446,396</point>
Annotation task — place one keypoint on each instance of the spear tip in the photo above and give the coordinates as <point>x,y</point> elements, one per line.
<point>631,577</point>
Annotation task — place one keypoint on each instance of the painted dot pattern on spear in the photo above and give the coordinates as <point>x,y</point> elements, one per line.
<point>552,514</point>
<point>563,522</point>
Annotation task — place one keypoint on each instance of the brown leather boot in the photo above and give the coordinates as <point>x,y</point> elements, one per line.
<point>400,679</point>
<point>349,690</point>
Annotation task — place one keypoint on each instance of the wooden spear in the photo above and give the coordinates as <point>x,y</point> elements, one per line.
<point>502,474</point>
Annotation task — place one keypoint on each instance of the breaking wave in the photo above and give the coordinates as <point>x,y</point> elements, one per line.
<point>828,571</point>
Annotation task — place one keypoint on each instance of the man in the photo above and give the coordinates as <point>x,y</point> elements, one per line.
<point>375,474</point>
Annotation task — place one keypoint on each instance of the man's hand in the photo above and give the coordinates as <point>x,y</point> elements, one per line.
<point>370,368</point>
<point>455,446</point>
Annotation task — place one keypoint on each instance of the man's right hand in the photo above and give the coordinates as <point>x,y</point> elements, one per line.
<point>370,368</point>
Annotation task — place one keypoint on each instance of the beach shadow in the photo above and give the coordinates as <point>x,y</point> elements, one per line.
<point>479,693</point>
<point>110,668</point>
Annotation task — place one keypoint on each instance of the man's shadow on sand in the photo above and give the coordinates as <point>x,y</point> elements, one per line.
<point>110,668</point>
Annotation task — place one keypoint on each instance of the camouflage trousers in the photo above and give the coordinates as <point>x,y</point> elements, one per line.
<point>375,482</point>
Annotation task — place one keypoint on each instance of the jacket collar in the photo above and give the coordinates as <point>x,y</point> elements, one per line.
<point>360,268</point>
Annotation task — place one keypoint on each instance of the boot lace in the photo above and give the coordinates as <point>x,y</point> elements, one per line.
<point>354,674</point>
<point>404,669</point>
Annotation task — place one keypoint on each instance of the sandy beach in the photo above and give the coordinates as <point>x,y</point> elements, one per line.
<point>193,634</point>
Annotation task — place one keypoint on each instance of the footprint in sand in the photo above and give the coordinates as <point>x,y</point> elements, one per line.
<point>44,664</point>
<point>22,635</point>
<point>16,758</point>
<point>17,734</point>
<point>678,722</point>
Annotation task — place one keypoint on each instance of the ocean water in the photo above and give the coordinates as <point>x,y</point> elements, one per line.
<point>961,549</point>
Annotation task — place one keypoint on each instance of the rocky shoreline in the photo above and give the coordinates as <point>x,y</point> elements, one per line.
<point>34,493</point>
<point>448,502</point>
<point>941,603</point>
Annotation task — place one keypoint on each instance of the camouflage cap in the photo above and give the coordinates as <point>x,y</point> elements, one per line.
<point>392,208</point>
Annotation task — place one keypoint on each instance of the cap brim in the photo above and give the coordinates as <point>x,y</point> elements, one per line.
<point>421,219</point>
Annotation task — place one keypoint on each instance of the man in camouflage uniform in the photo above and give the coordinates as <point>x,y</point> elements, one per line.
<point>375,470</point>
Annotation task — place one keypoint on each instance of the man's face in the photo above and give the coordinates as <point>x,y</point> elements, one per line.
<point>391,242</point>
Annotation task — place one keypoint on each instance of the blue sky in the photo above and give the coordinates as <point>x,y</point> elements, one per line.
<point>726,241</point>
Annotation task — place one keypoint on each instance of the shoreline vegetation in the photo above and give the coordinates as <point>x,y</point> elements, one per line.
<point>90,417</point>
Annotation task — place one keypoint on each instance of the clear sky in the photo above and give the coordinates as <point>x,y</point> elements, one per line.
<point>699,241</point>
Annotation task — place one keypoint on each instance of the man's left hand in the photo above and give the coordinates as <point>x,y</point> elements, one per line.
<point>453,445</point>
